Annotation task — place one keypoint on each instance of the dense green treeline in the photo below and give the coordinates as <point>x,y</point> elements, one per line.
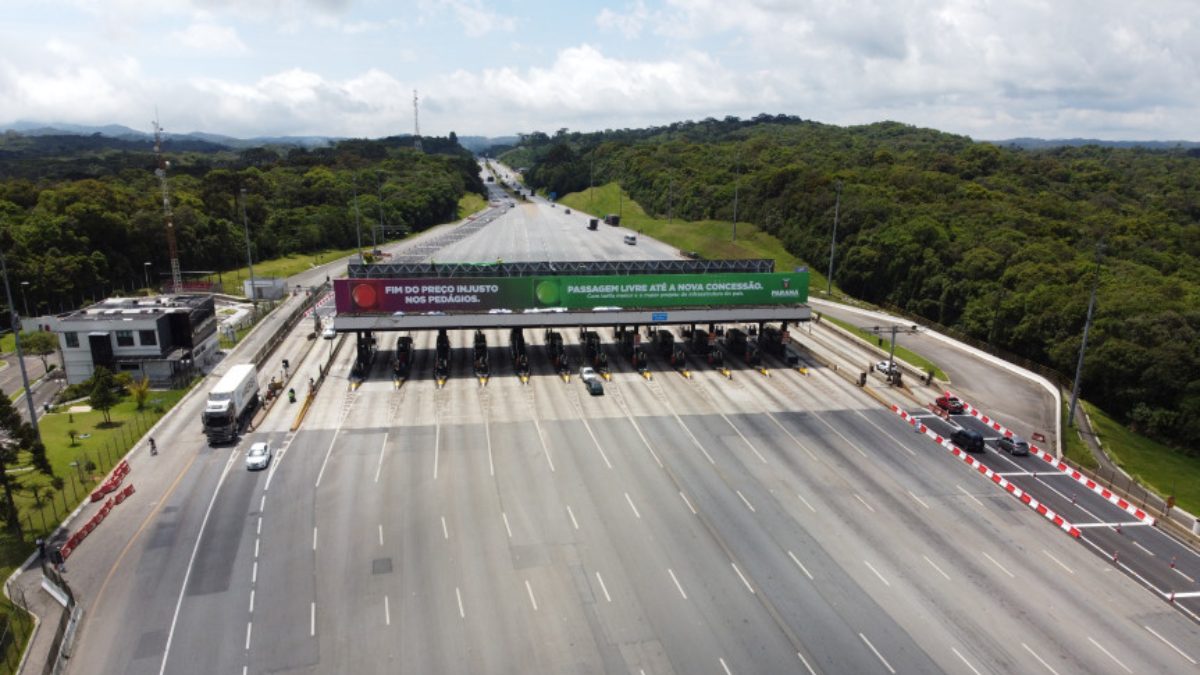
<point>998,242</point>
<point>80,237</point>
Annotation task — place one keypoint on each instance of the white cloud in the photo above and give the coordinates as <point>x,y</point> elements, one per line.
<point>210,37</point>
<point>475,19</point>
<point>629,24</point>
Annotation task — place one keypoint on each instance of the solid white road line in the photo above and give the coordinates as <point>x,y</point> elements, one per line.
<point>635,511</point>
<point>445,530</point>
<point>973,497</point>
<point>542,439</point>
<point>794,440</point>
<point>910,494</point>
<point>964,660</point>
<point>805,662</point>
<point>462,614</point>
<point>387,612</point>
<point>800,565</point>
<point>885,581</point>
<point>742,577</point>
<point>745,501</point>
<point>326,460</point>
<point>506,526</point>
<point>810,506</point>
<point>939,570</point>
<point>437,443</point>
<point>1002,568</point>
<point>727,671</point>
<point>574,523</point>
<point>596,442</point>
<point>314,537</point>
<point>1180,573</point>
<point>744,439</point>
<point>878,655</point>
<point>688,502</point>
<point>1040,660</point>
<point>1109,655</point>
<point>677,584</point>
<point>487,436</point>
<point>312,619</point>
<point>382,451</point>
<point>864,502</point>
<point>645,442</point>
<point>1168,643</point>
<point>532,600</point>
<point>1060,563</point>
<point>249,628</point>
<point>603,587</point>
<point>1144,549</point>
<point>381,534</point>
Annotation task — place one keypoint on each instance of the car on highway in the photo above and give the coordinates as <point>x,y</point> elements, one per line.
<point>886,367</point>
<point>259,456</point>
<point>631,239</point>
<point>1013,445</point>
<point>567,211</point>
<point>329,333</point>
<point>968,439</point>
<point>950,403</point>
<point>594,386</point>
<point>588,373</point>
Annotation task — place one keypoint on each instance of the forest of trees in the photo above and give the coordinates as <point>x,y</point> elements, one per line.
<point>79,216</point>
<point>1000,243</point>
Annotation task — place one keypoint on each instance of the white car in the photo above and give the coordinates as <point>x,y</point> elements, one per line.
<point>587,373</point>
<point>259,456</point>
<point>329,333</point>
<point>886,367</point>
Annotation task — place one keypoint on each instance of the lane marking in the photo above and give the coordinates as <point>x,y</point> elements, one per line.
<point>1180,573</point>
<point>910,494</point>
<point>462,614</point>
<point>743,437</point>
<point>1047,665</point>
<point>387,612</point>
<point>574,523</point>
<point>689,503</point>
<point>743,578</point>
<point>258,527</point>
<point>794,440</point>
<point>801,566</point>
<point>885,581</point>
<point>1168,643</point>
<point>1144,549</point>
<point>596,442</point>
<point>445,531</point>
<point>805,662</point>
<point>1060,563</point>
<point>745,501</point>
<point>251,600</point>
<point>314,537</point>
<point>878,655</point>
<point>964,660</point>
<point>326,460</point>
<point>487,435</point>
<point>545,448</point>
<point>382,451</point>
<point>635,511</point>
<point>532,599</point>
<point>257,540</point>
<point>603,587</point>
<point>262,504</point>
<point>381,534</point>
<point>254,573</point>
<point>810,506</point>
<point>1002,568</point>
<point>939,570</point>
<point>249,628</point>
<point>645,441</point>
<point>727,671</point>
<point>312,619</point>
<point>677,584</point>
<point>864,502</point>
<point>506,526</point>
<point>1109,655</point>
<point>437,443</point>
<point>1111,526</point>
<point>973,497</point>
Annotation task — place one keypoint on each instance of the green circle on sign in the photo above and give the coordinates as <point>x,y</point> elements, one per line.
<point>547,292</point>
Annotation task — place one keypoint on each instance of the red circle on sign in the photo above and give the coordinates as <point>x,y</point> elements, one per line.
<point>364,296</point>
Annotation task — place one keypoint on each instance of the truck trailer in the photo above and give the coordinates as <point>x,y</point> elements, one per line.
<point>230,404</point>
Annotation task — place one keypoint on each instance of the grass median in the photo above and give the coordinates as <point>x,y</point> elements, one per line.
<point>1165,470</point>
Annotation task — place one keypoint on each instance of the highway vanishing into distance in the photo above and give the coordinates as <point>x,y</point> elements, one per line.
<point>791,523</point>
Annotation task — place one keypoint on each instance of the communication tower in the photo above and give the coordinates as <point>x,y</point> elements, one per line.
<point>172,247</point>
<point>416,123</point>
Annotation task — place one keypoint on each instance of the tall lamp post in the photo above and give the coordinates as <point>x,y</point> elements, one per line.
<point>24,300</point>
<point>146,272</point>
<point>837,207</point>
<point>16,329</point>
<point>249,259</point>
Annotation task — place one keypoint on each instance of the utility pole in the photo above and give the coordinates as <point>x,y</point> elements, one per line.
<point>357,223</point>
<point>161,172</point>
<point>671,198</point>
<point>416,126</point>
<point>1087,324</point>
<point>381,230</point>
<point>249,258</point>
<point>837,206</point>
<point>16,329</point>
<point>737,180</point>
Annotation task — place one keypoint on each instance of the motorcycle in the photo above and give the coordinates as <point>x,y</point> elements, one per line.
<point>291,395</point>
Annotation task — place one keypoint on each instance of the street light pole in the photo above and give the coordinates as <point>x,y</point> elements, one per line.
<point>1083,345</point>
<point>24,300</point>
<point>146,272</point>
<point>837,206</point>
<point>249,258</point>
<point>737,180</point>
<point>16,328</point>
<point>357,223</point>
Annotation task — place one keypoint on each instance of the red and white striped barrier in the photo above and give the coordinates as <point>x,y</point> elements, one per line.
<point>82,533</point>
<point>992,475</point>
<point>1067,469</point>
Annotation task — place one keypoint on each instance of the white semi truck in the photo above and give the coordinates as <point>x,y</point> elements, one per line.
<point>230,404</point>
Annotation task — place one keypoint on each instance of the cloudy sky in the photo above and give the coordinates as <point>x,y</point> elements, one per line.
<point>990,69</point>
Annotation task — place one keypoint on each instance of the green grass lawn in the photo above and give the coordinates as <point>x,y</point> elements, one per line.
<point>1074,447</point>
<point>1165,470</point>
<point>280,267</point>
<point>470,203</point>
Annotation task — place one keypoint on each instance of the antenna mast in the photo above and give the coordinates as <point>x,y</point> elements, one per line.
<point>416,123</point>
<point>161,172</point>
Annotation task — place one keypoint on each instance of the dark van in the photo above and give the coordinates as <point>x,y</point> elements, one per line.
<point>967,439</point>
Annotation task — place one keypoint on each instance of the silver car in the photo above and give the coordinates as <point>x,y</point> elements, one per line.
<point>259,456</point>
<point>1014,445</point>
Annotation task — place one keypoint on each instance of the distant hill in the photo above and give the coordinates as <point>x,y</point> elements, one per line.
<point>478,144</point>
<point>1045,143</point>
<point>117,131</point>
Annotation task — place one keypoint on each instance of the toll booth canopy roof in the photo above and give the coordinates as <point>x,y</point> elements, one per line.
<point>465,270</point>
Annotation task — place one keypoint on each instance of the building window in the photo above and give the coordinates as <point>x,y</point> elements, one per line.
<point>72,339</point>
<point>124,338</point>
<point>147,337</point>
<point>131,366</point>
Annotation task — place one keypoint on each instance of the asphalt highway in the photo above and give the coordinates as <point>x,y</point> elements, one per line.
<point>707,525</point>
